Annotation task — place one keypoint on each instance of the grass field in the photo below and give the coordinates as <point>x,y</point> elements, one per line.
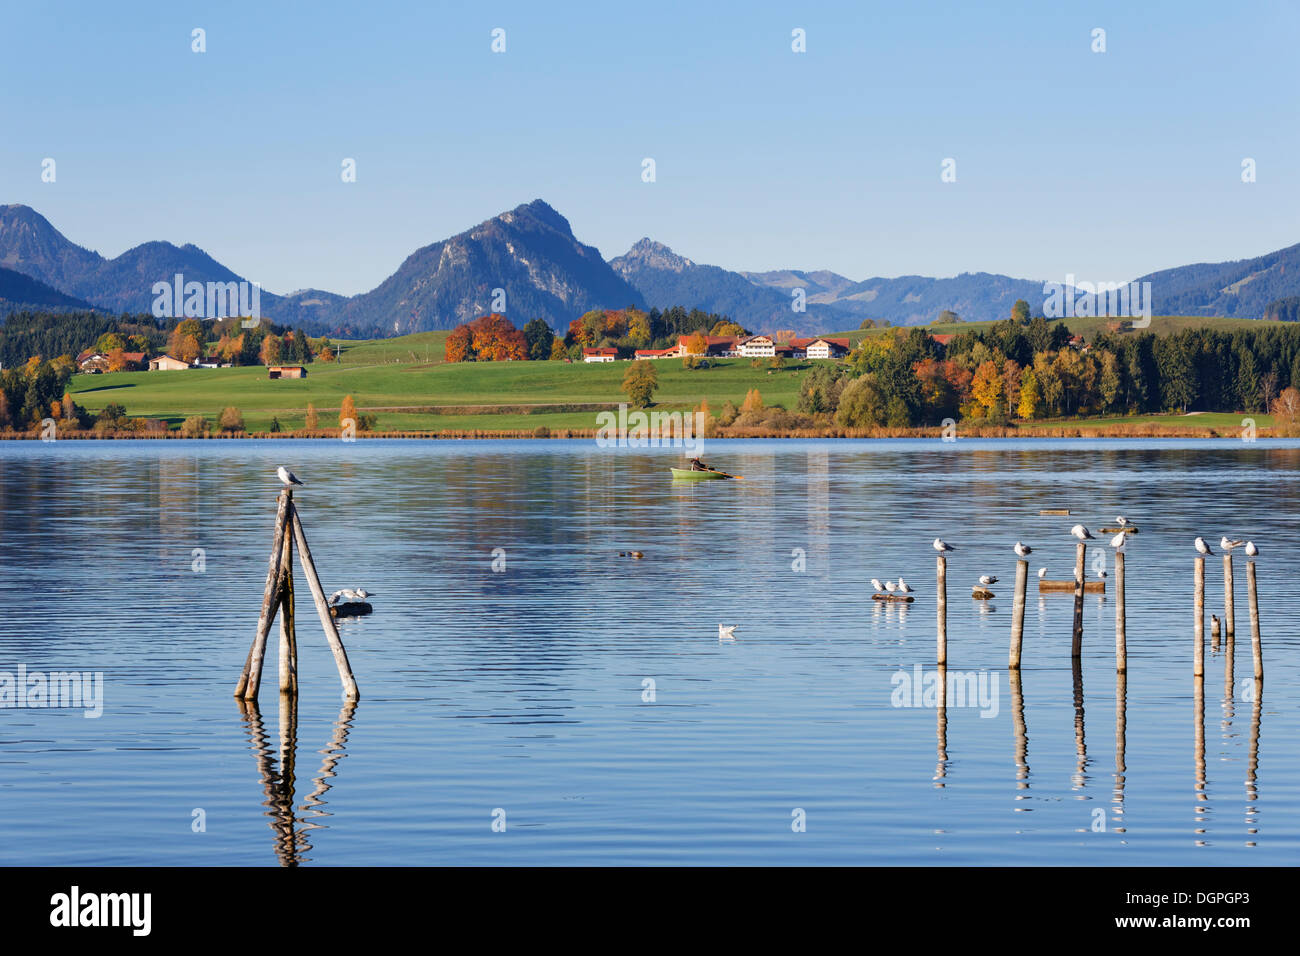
<point>1087,327</point>
<point>403,390</point>
<point>1226,422</point>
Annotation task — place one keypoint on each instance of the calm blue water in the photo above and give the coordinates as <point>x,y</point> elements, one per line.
<point>523,690</point>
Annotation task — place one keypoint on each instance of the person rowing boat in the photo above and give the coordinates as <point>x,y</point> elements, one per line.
<point>697,465</point>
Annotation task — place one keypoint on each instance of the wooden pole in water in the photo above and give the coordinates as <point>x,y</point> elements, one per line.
<point>941,603</point>
<point>1198,629</point>
<point>1229,624</point>
<point>251,678</point>
<point>1076,646</point>
<point>323,609</point>
<point>288,638</point>
<point>1121,637</point>
<point>1256,645</point>
<point>1018,614</point>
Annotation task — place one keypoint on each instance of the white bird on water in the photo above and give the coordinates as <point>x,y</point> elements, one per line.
<point>941,545</point>
<point>1080,532</point>
<point>988,581</point>
<point>288,477</point>
<point>904,587</point>
<point>1202,547</point>
<point>350,595</point>
<point>875,583</point>
<point>1101,574</point>
<point>1251,550</point>
<point>1119,541</point>
<point>891,587</point>
<point>1022,550</point>
<point>1042,573</point>
<point>1228,544</point>
<point>727,632</point>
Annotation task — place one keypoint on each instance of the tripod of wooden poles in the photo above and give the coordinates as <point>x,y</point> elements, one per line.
<point>278,596</point>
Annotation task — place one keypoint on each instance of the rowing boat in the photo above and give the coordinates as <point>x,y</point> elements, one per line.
<point>688,475</point>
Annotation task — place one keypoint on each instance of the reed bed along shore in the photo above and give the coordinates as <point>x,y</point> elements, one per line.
<point>544,432</point>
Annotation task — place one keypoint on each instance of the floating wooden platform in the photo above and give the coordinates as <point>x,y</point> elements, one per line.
<point>902,598</point>
<point>1054,511</point>
<point>351,609</point>
<point>1127,530</point>
<point>1089,587</point>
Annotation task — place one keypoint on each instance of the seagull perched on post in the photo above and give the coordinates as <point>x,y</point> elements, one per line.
<point>1227,544</point>
<point>891,587</point>
<point>1022,550</point>
<point>1251,550</point>
<point>1202,547</point>
<point>288,477</point>
<point>350,595</point>
<point>875,583</point>
<point>904,587</point>
<point>941,545</point>
<point>1080,532</point>
<point>1119,541</point>
<point>1121,521</point>
<point>988,581</point>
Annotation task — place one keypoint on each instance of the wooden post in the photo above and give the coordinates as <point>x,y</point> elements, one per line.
<point>1076,646</point>
<point>1018,614</point>
<point>941,603</point>
<point>1121,637</point>
<point>1198,609</point>
<point>288,638</point>
<point>1256,645</point>
<point>251,678</point>
<point>1229,624</point>
<point>323,609</point>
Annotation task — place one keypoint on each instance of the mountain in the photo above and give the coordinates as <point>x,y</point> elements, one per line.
<point>666,279</point>
<point>911,300</point>
<point>1244,287</point>
<point>530,252</point>
<point>18,291</point>
<point>30,245</point>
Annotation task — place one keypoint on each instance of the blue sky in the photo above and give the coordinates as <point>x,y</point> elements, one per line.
<point>1103,165</point>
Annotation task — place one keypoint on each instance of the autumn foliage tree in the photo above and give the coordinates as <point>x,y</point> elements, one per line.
<point>313,420</point>
<point>640,381</point>
<point>348,412</point>
<point>1286,412</point>
<point>270,353</point>
<point>489,338</point>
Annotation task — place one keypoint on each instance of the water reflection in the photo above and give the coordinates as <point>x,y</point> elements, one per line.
<point>1121,734</point>
<point>279,782</point>
<point>1080,777</point>
<point>1021,736</point>
<point>1202,797</point>
<point>941,730</point>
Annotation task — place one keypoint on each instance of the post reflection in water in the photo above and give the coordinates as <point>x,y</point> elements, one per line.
<point>1121,728</point>
<point>1080,777</point>
<point>941,731</point>
<point>1021,735</point>
<point>290,842</point>
<point>1202,798</point>
<point>1252,764</point>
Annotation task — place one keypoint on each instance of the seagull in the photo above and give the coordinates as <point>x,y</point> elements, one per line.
<point>1202,547</point>
<point>1122,521</point>
<point>1042,573</point>
<point>875,583</point>
<point>1101,574</point>
<point>1119,541</point>
<point>987,581</point>
<point>1080,532</point>
<point>727,633</point>
<point>1023,550</point>
<point>904,588</point>
<point>891,587</point>
<point>1251,550</point>
<point>1227,544</point>
<point>940,545</point>
<point>350,594</point>
<point>288,477</point>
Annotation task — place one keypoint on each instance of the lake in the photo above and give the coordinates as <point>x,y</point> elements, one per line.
<point>554,703</point>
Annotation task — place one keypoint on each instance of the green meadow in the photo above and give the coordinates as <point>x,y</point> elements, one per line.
<point>1088,327</point>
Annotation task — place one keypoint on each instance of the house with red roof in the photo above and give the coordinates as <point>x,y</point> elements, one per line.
<point>599,355</point>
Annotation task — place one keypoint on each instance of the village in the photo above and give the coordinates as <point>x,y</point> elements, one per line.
<point>733,346</point>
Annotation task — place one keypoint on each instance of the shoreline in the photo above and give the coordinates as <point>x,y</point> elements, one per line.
<point>544,433</point>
